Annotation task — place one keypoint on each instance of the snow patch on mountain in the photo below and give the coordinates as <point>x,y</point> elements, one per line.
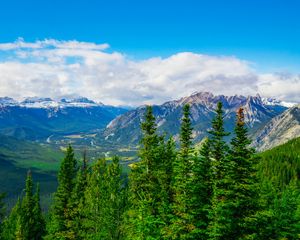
<point>274,101</point>
<point>36,102</point>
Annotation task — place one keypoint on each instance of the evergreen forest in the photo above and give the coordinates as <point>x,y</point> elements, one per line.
<point>178,190</point>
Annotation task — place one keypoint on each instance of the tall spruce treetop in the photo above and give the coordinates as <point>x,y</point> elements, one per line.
<point>244,180</point>
<point>240,142</point>
<point>145,189</point>
<point>39,226</point>
<point>186,132</point>
<point>60,213</point>
<point>183,223</point>
<point>27,221</point>
<point>67,172</point>
<point>220,213</point>
<point>218,145</point>
<point>149,141</point>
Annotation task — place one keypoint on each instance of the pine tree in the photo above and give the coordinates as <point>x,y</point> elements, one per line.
<point>144,220</point>
<point>105,201</point>
<point>220,213</point>
<point>27,218</point>
<point>202,190</point>
<point>182,222</point>
<point>58,227</point>
<point>77,202</point>
<point>10,223</point>
<point>166,173</point>
<point>96,195</point>
<point>117,201</point>
<point>244,182</point>
<point>39,221</point>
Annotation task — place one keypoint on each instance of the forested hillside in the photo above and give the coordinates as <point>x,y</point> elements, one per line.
<point>224,191</point>
<point>281,164</point>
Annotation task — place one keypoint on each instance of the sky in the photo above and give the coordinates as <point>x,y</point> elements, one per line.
<point>130,52</point>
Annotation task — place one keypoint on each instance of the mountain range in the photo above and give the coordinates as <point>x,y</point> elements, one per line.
<point>39,118</point>
<point>33,131</point>
<point>258,111</point>
<point>84,122</point>
<point>279,130</point>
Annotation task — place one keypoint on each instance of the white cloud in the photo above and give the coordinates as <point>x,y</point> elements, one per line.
<point>21,44</point>
<point>55,68</point>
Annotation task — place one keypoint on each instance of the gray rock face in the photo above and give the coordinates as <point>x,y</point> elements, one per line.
<point>279,130</point>
<point>125,128</point>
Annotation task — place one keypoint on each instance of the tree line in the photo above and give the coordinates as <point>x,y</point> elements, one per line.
<point>218,192</point>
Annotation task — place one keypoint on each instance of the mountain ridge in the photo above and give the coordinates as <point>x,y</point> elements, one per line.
<point>279,130</point>
<point>203,104</point>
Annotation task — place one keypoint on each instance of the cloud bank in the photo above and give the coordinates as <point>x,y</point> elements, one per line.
<point>52,68</point>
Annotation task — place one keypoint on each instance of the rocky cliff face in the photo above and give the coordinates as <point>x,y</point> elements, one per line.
<point>279,130</point>
<point>125,128</point>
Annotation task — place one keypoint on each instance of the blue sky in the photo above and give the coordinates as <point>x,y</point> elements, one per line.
<point>133,52</point>
<point>266,32</point>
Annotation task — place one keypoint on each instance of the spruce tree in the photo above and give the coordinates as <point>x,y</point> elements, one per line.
<point>117,200</point>
<point>202,190</point>
<point>166,173</point>
<point>220,213</point>
<point>25,220</point>
<point>182,222</point>
<point>244,182</point>
<point>58,226</point>
<point>39,221</point>
<point>27,217</point>
<point>105,202</point>
<point>9,228</point>
<point>94,210</point>
<point>77,202</point>
<point>144,220</point>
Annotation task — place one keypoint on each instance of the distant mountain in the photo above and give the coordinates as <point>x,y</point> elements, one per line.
<point>274,101</point>
<point>38,118</point>
<point>279,130</point>
<point>126,128</point>
<point>37,102</point>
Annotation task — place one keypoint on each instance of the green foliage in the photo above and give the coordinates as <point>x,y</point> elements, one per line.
<point>60,215</point>
<point>144,220</point>
<point>105,202</point>
<point>281,164</point>
<point>243,198</point>
<point>280,192</point>
<point>191,187</point>
<point>182,223</point>
<point>39,228</point>
<point>150,192</point>
<point>9,227</point>
<point>218,191</point>
<point>202,190</point>
<point>75,217</point>
<point>25,220</point>
<point>220,213</point>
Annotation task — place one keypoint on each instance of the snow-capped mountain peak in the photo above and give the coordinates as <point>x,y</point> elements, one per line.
<point>7,101</point>
<point>37,102</point>
<point>273,101</point>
